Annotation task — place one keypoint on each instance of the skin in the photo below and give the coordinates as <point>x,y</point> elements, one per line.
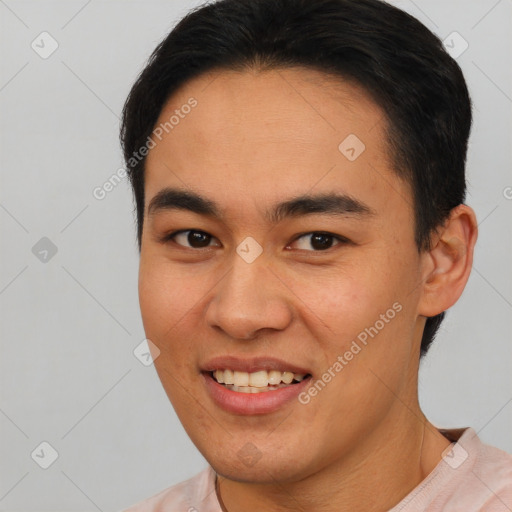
<point>257,138</point>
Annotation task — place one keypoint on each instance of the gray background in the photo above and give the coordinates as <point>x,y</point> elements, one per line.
<point>70,324</point>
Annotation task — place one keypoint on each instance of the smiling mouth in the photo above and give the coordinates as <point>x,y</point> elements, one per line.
<point>256,382</point>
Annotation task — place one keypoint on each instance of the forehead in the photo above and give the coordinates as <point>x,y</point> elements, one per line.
<point>266,135</point>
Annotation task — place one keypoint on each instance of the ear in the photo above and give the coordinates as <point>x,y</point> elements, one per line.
<point>447,265</point>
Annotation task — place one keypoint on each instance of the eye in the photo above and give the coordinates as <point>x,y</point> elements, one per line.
<point>318,241</point>
<point>192,238</point>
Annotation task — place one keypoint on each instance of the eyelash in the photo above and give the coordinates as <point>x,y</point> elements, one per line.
<point>340,239</point>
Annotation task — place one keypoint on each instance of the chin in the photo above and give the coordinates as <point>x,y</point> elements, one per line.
<point>269,472</point>
<point>244,462</point>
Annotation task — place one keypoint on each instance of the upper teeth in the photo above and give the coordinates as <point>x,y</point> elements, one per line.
<point>259,379</point>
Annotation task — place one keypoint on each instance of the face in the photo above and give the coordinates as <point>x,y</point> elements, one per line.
<point>278,244</point>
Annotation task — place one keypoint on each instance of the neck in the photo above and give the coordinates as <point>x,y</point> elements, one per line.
<point>377,475</point>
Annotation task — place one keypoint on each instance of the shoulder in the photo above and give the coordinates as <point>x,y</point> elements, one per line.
<point>472,476</point>
<point>196,494</point>
<point>485,462</point>
<point>477,477</point>
<point>494,470</point>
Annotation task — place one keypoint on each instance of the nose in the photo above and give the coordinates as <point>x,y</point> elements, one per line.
<point>249,300</point>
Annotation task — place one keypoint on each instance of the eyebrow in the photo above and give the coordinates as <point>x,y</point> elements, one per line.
<point>308,204</point>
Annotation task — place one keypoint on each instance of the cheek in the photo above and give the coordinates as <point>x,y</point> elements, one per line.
<point>166,295</point>
<point>167,298</point>
<point>345,299</point>
<point>370,313</point>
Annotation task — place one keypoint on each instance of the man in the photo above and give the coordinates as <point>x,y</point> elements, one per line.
<point>298,168</point>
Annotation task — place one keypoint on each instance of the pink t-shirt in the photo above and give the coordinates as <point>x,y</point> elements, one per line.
<point>471,477</point>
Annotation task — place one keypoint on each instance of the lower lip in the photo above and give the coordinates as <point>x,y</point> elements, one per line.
<point>252,403</point>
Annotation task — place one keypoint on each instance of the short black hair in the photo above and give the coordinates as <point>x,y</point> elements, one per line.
<point>401,64</point>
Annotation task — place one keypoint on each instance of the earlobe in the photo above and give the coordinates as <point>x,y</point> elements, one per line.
<point>447,265</point>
